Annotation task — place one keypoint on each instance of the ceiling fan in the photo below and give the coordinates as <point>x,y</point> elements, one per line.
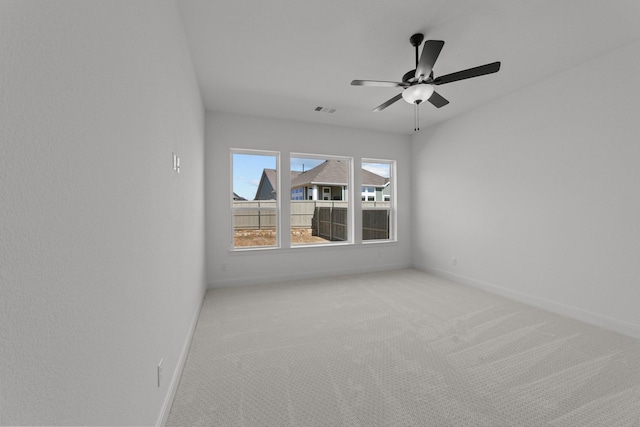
<point>419,84</point>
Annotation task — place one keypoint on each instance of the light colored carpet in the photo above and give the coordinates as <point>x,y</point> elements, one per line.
<point>399,348</point>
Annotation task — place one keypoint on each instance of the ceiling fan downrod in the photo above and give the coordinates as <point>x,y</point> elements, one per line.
<point>416,41</point>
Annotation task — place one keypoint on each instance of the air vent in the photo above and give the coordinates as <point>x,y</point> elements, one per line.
<point>325,110</point>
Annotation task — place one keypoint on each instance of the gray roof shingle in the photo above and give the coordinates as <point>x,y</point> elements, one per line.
<point>334,172</point>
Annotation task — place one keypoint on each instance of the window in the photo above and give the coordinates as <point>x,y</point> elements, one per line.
<point>319,200</point>
<point>368,194</point>
<point>377,200</point>
<point>254,201</point>
<point>326,193</point>
<point>297,194</point>
<point>321,214</point>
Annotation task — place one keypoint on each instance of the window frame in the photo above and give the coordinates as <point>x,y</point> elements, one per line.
<point>278,200</point>
<point>349,193</point>
<point>393,225</point>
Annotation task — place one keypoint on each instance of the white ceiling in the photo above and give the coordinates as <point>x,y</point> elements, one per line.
<point>283,58</point>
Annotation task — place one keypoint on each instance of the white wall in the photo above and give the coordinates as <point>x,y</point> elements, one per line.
<point>536,194</point>
<point>228,268</point>
<point>101,243</point>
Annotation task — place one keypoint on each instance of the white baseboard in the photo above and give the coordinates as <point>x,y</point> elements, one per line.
<point>288,276</point>
<point>177,373</point>
<point>592,318</point>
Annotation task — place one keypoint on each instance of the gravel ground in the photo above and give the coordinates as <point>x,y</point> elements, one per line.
<point>246,238</point>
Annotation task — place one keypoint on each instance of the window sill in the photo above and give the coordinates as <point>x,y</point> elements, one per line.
<point>378,242</point>
<point>309,247</point>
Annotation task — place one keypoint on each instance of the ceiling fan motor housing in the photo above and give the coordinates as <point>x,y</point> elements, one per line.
<point>409,77</point>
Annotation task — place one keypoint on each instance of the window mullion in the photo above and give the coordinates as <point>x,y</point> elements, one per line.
<point>284,190</point>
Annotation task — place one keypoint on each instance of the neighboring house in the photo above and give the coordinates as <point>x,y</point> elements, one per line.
<point>386,191</point>
<point>268,184</point>
<point>375,188</point>
<point>327,181</point>
<point>238,198</point>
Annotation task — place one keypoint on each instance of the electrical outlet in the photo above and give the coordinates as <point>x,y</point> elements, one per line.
<point>160,373</point>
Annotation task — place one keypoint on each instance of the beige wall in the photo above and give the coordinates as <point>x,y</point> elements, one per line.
<point>228,268</point>
<point>536,194</point>
<point>101,242</point>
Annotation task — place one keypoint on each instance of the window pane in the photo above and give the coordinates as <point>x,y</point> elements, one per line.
<point>377,200</point>
<point>319,200</point>
<point>254,205</point>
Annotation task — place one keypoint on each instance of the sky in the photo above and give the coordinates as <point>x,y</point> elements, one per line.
<point>247,170</point>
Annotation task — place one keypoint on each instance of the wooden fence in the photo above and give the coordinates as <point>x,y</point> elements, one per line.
<point>326,219</point>
<point>375,224</point>
<point>331,223</point>
<point>254,215</point>
<point>302,212</point>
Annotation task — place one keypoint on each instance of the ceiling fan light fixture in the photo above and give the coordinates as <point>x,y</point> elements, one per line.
<point>417,94</point>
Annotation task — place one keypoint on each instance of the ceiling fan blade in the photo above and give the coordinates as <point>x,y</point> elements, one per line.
<point>377,83</point>
<point>430,53</point>
<point>437,100</point>
<point>467,74</point>
<point>389,102</point>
